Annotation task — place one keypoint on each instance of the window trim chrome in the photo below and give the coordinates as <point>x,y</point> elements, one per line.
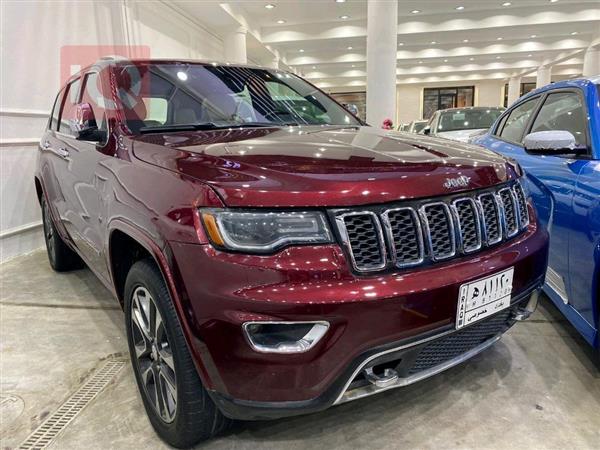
<point>341,225</point>
<point>390,235</point>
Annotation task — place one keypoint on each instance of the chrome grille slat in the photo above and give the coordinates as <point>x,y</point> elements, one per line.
<point>439,230</point>
<point>510,211</point>
<point>405,235</point>
<point>469,225</point>
<point>492,223</point>
<point>423,232</point>
<point>522,205</point>
<point>364,237</point>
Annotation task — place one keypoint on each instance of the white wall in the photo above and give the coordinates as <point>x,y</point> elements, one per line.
<point>33,33</point>
<point>410,96</point>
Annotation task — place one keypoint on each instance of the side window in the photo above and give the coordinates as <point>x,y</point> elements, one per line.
<point>92,94</point>
<point>56,111</point>
<point>563,111</point>
<point>515,124</point>
<point>68,112</point>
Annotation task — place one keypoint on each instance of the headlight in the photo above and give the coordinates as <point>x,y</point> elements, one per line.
<point>264,232</point>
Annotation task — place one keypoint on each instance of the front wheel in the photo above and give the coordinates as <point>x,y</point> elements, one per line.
<point>177,404</point>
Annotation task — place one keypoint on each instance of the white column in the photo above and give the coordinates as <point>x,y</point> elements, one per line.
<point>591,61</point>
<point>514,89</point>
<point>235,46</point>
<point>382,37</point>
<point>274,64</point>
<point>544,74</point>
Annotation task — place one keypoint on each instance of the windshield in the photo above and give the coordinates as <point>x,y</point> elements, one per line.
<point>418,126</point>
<point>174,95</point>
<point>467,119</point>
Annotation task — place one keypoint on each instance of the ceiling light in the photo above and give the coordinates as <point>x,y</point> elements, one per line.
<point>270,6</point>
<point>182,76</point>
<point>506,4</point>
<point>553,1</point>
<point>281,21</point>
<point>350,48</point>
<point>301,50</point>
<point>471,59</point>
<point>344,17</point>
<point>340,1</point>
<point>400,44</point>
<point>415,11</point>
<point>465,40</point>
<point>498,57</point>
<point>533,36</point>
<point>573,33</point>
<point>353,65</point>
<point>314,67</point>
<point>530,55</point>
<point>433,42</point>
<point>445,60</point>
<point>459,8</point>
<point>499,38</point>
<point>420,62</point>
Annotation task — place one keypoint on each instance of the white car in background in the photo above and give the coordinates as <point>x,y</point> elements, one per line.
<point>460,124</point>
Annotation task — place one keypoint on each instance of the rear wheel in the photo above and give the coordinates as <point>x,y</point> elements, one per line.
<point>61,257</point>
<point>177,404</point>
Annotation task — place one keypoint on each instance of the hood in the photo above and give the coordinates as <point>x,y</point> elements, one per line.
<point>461,135</point>
<point>322,166</point>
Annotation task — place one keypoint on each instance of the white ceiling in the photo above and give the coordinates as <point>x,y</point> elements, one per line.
<point>485,40</point>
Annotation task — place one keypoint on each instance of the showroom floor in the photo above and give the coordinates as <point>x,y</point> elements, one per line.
<point>536,388</point>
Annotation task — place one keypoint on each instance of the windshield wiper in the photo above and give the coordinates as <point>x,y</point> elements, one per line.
<point>208,126</point>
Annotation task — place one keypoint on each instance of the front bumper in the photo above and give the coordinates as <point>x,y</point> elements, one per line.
<point>412,360</point>
<point>221,291</point>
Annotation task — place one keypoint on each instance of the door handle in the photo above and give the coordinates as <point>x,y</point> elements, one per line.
<point>62,152</point>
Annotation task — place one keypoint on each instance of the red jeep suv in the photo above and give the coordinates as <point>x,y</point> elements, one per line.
<point>273,254</point>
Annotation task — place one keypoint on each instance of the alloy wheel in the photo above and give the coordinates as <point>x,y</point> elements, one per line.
<point>153,354</point>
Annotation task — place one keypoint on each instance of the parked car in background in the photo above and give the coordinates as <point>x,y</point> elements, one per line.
<point>554,132</point>
<point>274,256</point>
<point>459,124</point>
<point>416,126</point>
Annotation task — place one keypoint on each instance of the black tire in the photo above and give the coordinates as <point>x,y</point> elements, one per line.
<point>196,418</point>
<point>61,257</point>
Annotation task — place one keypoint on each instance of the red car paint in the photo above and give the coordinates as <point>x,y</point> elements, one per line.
<point>150,187</point>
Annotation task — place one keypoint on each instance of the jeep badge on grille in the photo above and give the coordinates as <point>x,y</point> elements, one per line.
<point>462,181</point>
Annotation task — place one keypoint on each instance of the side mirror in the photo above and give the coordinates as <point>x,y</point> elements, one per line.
<point>85,124</point>
<point>552,142</point>
<point>426,130</point>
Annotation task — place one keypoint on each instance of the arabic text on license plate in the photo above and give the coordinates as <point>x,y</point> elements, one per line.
<point>482,298</point>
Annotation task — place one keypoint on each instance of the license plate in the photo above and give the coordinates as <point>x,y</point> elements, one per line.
<point>482,298</point>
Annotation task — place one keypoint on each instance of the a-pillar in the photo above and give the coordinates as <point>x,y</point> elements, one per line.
<point>235,46</point>
<point>382,37</point>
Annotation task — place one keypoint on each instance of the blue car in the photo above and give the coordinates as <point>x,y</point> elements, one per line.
<point>554,133</point>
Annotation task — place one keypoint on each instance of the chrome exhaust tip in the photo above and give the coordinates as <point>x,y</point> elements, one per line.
<point>388,378</point>
<point>523,313</point>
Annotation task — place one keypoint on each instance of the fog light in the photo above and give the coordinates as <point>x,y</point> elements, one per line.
<point>284,337</point>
